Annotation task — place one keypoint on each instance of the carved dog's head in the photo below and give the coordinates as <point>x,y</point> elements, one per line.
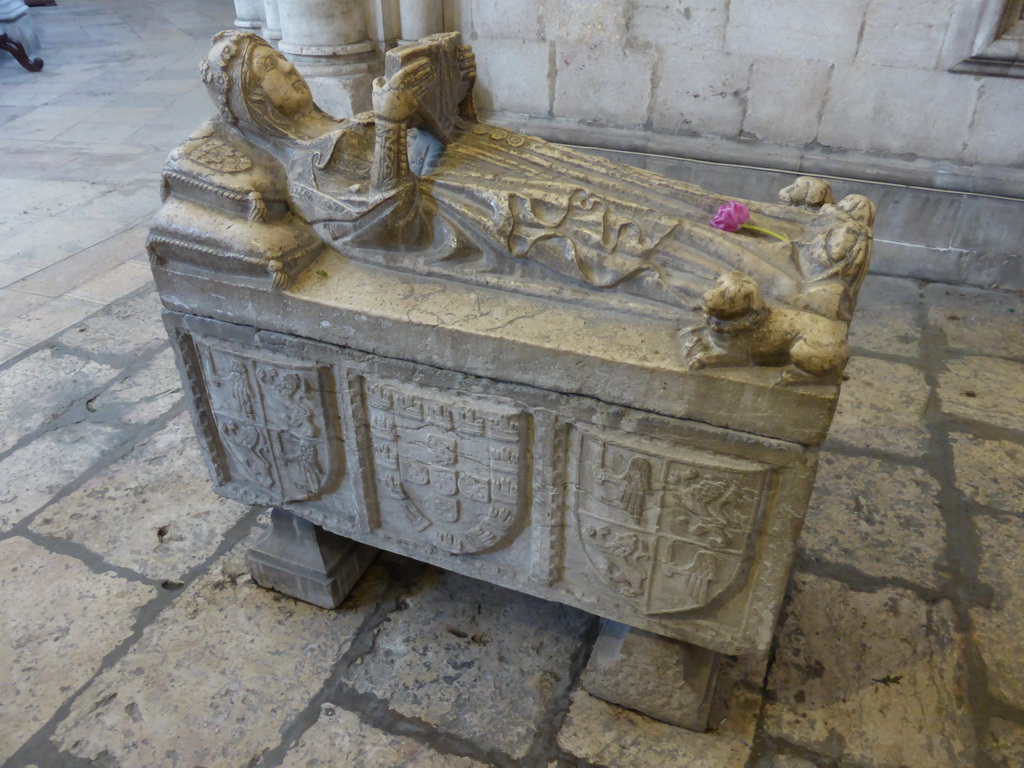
<point>733,295</point>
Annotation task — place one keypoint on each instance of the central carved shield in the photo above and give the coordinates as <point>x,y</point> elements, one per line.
<point>449,470</point>
<point>666,527</point>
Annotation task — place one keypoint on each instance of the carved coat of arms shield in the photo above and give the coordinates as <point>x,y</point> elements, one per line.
<point>271,421</point>
<point>448,470</point>
<point>666,527</point>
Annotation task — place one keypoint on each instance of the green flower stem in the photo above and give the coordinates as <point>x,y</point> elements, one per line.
<point>766,231</point>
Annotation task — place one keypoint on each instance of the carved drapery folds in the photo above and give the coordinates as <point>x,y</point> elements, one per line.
<point>480,204</point>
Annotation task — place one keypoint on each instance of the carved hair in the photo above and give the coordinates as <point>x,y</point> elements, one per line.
<point>236,87</point>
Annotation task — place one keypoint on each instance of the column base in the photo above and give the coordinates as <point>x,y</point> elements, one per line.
<point>665,679</point>
<point>342,87</point>
<point>304,561</point>
<point>342,96</point>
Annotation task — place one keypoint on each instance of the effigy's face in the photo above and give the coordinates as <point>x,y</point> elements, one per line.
<point>282,84</point>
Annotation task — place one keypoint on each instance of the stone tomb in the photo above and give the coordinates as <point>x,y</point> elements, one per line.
<point>417,332</point>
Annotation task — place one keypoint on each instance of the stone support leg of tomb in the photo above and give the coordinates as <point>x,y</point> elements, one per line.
<point>304,561</point>
<point>666,679</point>
<point>327,42</point>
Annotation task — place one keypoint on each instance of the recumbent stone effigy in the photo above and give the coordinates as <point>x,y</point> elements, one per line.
<point>414,331</point>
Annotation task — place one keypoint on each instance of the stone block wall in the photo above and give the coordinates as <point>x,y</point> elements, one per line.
<point>850,87</point>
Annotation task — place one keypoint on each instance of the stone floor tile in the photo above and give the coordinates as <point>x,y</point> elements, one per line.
<point>886,319</point>
<point>45,197</point>
<point>989,471</point>
<point>12,273</point>
<point>607,735</point>
<point>162,134</point>
<point>1004,743</point>
<point>34,474</point>
<point>881,406</point>
<point>135,114</point>
<point>31,166</point>
<point>977,321</point>
<point>143,396</point>
<point>154,511</point>
<point>997,630</point>
<point>72,274</point>
<point>45,320</point>
<point>28,94</point>
<point>46,123</point>
<point>8,113</point>
<point>10,221</point>
<point>130,327</point>
<point>25,405</point>
<point>215,678</point>
<point>473,659</point>
<point>37,243</point>
<point>93,131</point>
<point>877,517</point>
<point>340,738</point>
<point>984,389</point>
<point>108,165</point>
<point>122,279</point>
<point>14,304</point>
<point>134,202</point>
<point>870,678</point>
<point>9,350</point>
<point>58,619</point>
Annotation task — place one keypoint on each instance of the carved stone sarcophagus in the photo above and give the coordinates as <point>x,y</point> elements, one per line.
<point>418,332</point>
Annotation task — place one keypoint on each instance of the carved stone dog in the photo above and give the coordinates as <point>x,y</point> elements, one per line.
<point>741,329</point>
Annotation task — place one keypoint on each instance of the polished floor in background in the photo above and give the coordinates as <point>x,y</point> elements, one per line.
<point>131,637</point>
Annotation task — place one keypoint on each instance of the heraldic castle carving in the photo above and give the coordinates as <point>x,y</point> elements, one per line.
<point>415,331</point>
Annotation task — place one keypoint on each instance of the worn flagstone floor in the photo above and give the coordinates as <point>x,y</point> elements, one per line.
<point>131,637</point>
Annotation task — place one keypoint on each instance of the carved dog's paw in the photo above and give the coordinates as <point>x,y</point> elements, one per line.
<point>695,346</point>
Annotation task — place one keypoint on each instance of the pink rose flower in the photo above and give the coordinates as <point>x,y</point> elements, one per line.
<point>731,216</point>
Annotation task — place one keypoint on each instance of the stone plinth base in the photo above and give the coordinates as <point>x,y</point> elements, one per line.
<point>304,561</point>
<point>666,679</point>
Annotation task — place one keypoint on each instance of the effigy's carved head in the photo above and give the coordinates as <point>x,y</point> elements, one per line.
<point>255,86</point>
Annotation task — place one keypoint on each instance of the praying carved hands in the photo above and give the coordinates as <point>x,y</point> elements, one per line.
<point>467,72</point>
<point>467,65</point>
<point>397,98</point>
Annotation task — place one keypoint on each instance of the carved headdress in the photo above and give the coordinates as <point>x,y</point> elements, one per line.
<point>235,84</point>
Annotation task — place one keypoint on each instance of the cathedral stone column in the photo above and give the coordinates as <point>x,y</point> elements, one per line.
<point>247,14</point>
<point>271,21</point>
<point>420,18</point>
<point>327,41</point>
